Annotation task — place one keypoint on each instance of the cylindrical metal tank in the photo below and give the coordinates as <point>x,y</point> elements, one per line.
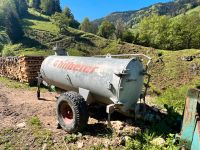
<point>109,80</point>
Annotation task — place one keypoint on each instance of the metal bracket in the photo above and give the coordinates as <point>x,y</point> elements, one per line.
<point>108,55</point>
<point>86,95</point>
<point>109,86</point>
<point>146,85</point>
<point>121,74</point>
<point>110,109</point>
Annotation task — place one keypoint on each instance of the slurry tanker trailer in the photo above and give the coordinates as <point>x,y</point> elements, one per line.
<point>116,83</point>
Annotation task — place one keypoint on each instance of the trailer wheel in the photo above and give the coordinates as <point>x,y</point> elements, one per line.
<point>72,112</point>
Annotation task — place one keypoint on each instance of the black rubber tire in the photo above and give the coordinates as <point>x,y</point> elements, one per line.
<point>79,108</point>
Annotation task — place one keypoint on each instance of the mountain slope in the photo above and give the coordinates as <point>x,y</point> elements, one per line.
<point>38,28</point>
<point>130,18</point>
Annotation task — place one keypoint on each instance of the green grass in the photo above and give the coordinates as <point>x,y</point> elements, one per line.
<point>40,134</point>
<point>36,13</point>
<point>173,97</point>
<point>143,142</point>
<point>35,52</point>
<point>174,70</point>
<point>41,25</point>
<point>14,84</point>
<point>196,9</point>
<point>35,121</point>
<point>112,48</point>
<point>19,50</point>
<point>39,21</point>
<point>71,138</point>
<point>18,85</point>
<point>75,52</point>
<point>172,79</point>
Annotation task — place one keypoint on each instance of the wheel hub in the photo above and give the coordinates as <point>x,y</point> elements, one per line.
<point>66,113</point>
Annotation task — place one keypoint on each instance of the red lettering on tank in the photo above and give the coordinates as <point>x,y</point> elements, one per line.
<point>55,64</point>
<point>70,66</point>
<point>92,70</point>
<point>60,65</point>
<point>87,69</point>
<point>65,66</point>
<point>82,68</point>
<point>77,67</point>
<point>74,67</point>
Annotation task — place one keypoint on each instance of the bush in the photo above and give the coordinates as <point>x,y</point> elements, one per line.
<point>9,50</point>
<point>35,121</point>
<point>173,96</point>
<point>128,36</point>
<point>143,141</point>
<point>1,47</point>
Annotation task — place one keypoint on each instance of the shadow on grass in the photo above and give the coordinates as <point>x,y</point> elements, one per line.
<point>33,17</point>
<point>28,42</point>
<point>98,129</point>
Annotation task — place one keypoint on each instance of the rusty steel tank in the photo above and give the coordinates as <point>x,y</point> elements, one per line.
<point>115,82</point>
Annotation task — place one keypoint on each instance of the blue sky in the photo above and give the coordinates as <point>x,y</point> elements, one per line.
<point>99,8</point>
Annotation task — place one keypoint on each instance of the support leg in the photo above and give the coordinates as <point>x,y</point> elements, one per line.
<point>39,85</point>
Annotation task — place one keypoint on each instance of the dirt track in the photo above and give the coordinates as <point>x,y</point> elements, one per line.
<point>17,105</point>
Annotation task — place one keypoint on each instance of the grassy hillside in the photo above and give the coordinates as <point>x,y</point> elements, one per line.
<point>197,9</point>
<point>172,75</point>
<point>39,28</point>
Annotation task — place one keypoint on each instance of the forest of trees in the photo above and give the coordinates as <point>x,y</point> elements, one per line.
<point>48,7</point>
<point>163,32</point>
<point>108,30</point>
<point>12,11</point>
<point>87,26</point>
<point>65,19</point>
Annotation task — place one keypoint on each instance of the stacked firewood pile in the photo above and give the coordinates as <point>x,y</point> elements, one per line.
<point>8,67</point>
<point>23,69</point>
<point>29,66</point>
